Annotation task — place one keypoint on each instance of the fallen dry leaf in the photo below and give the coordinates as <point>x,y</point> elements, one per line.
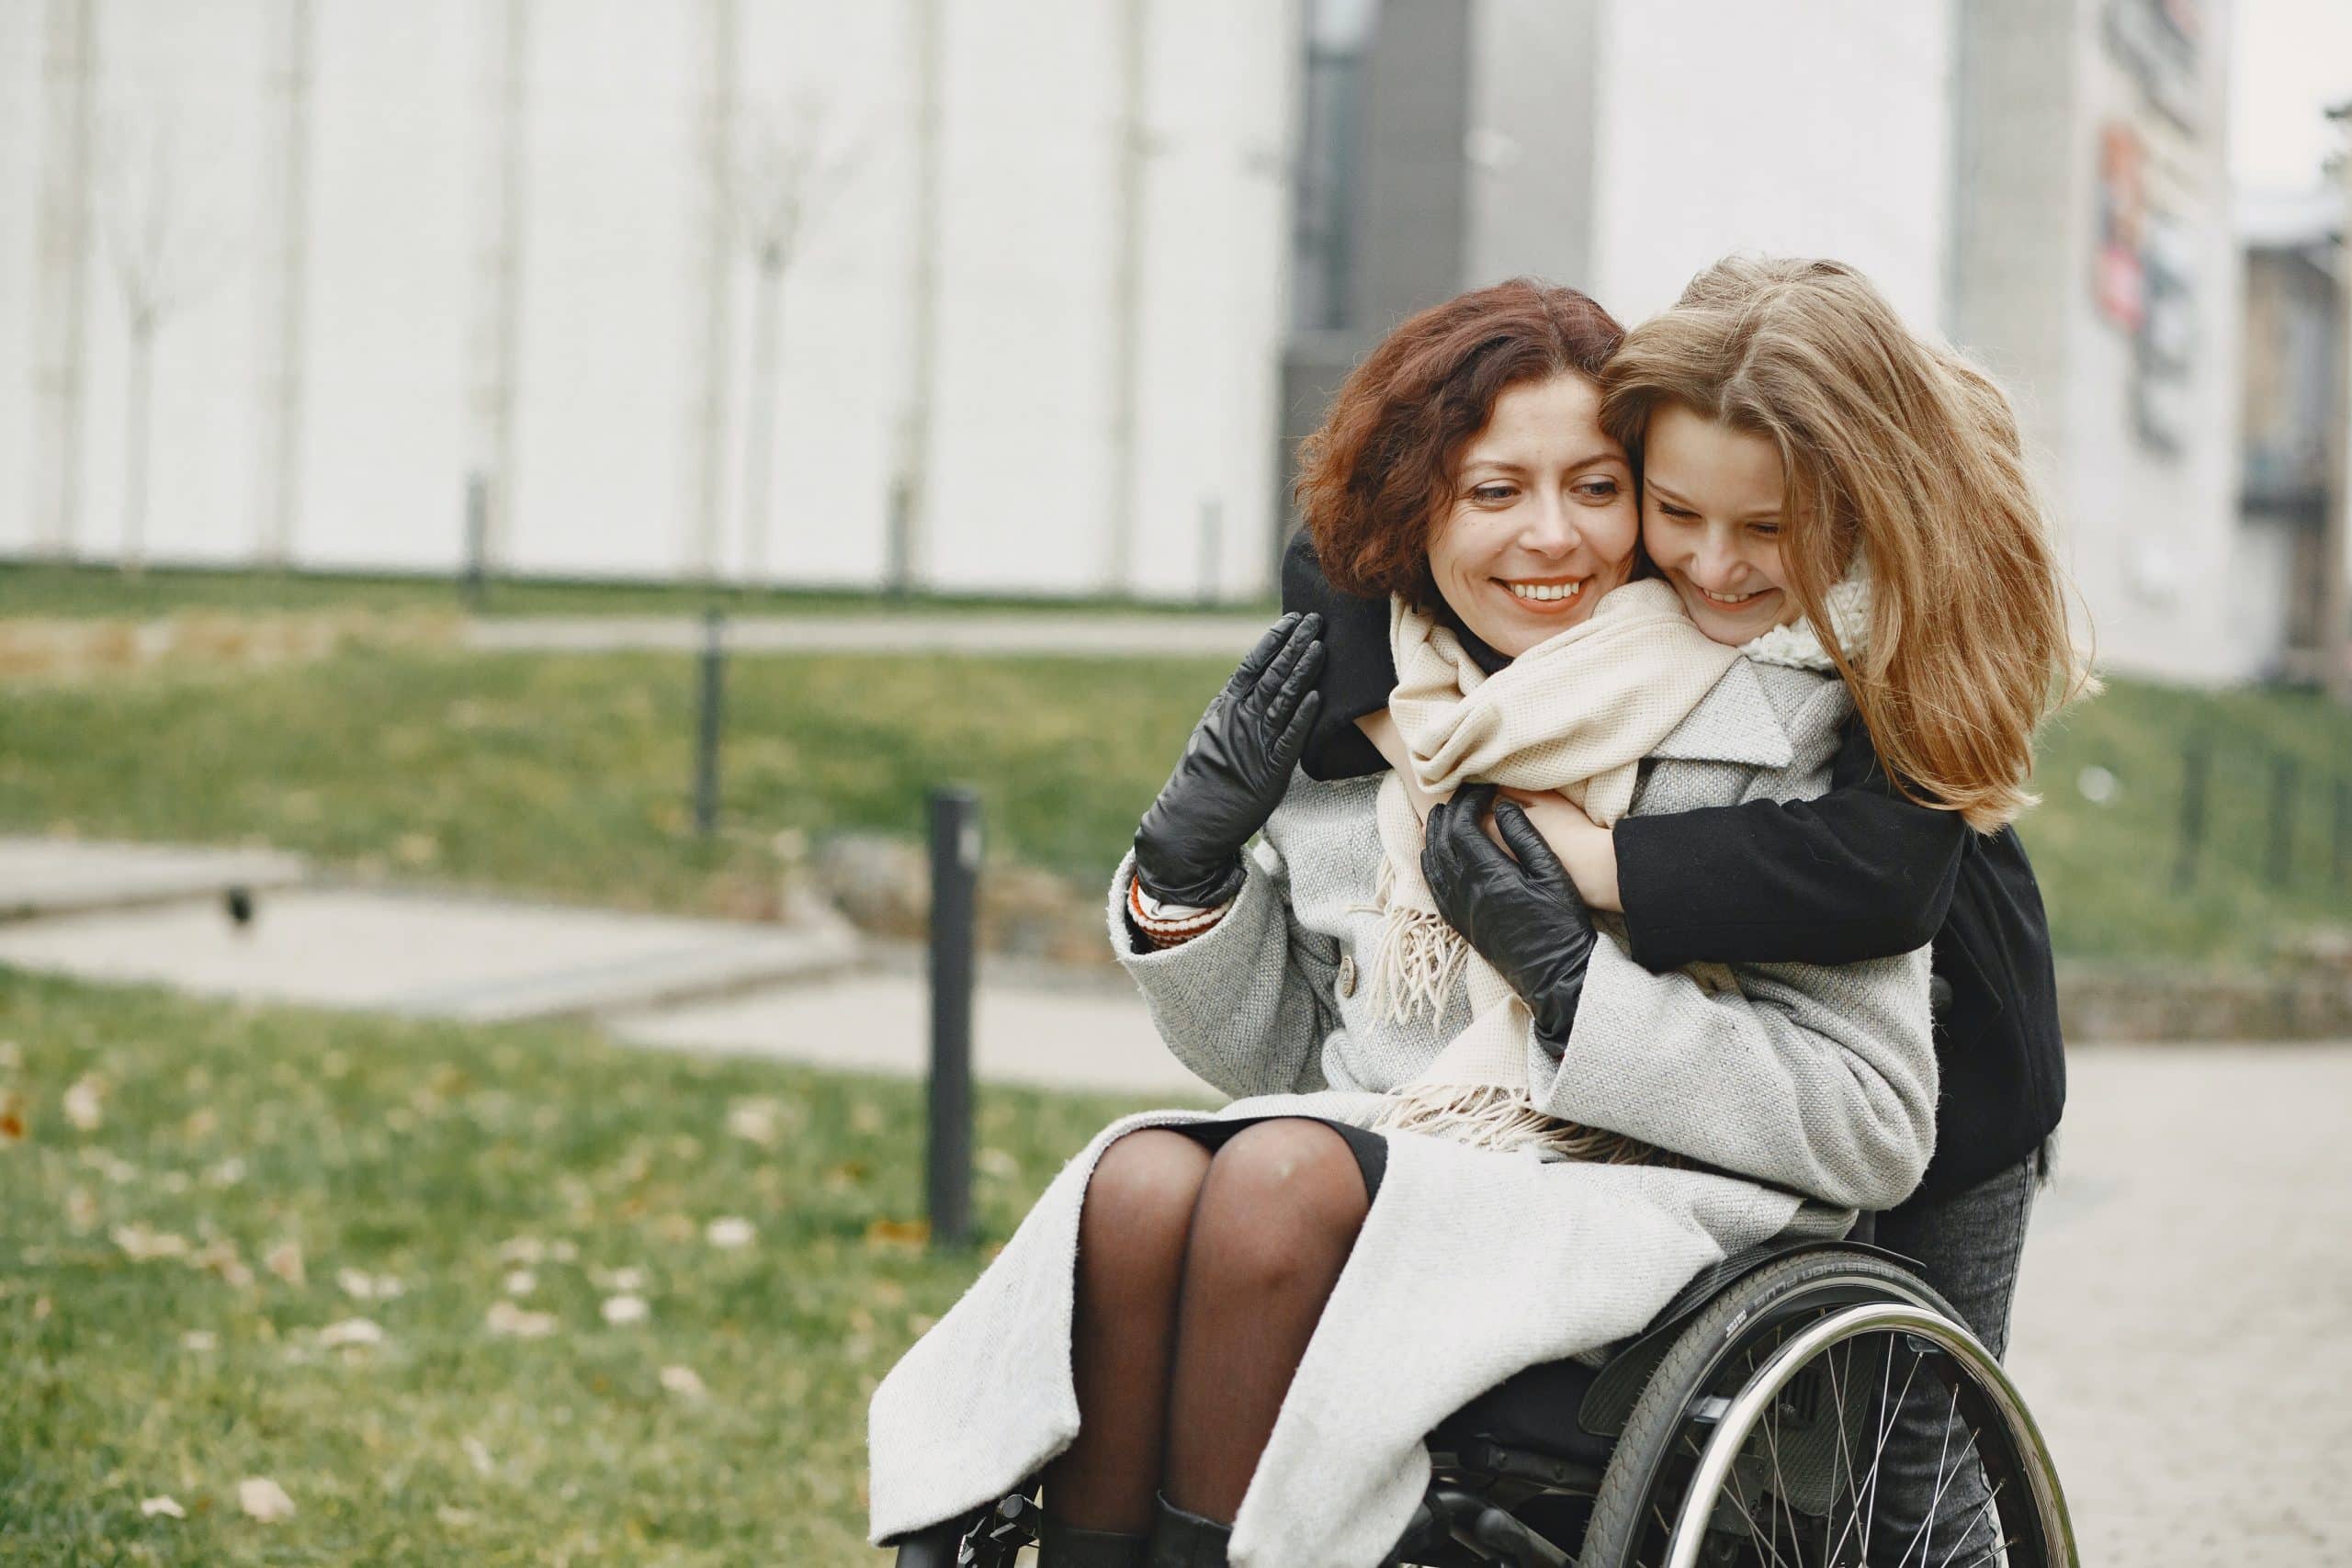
<point>285,1260</point>
<point>351,1331</point>
<point>141,1246</point>
<point>759,1120</point>
<point>730,1232</point>
<point>898,1232</point>
<point>522,1249</point>
<point>264,1499</point>
<point>477,1454</point>
<point>622,1280</point>
<point>620,1311</point>
<point>165,1506</point>
<point>219,1256</point>
<point>520,1281</point>
<point>12,1117</point>
<point>200,1340</point>
<point>86,1103</point>
<point>362,1286</point>
<point>684,1381</point>
<point>505,1318</point>
<point>81,1209</point>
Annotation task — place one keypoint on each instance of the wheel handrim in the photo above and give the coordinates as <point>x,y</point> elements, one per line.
<point>1738,1417</point>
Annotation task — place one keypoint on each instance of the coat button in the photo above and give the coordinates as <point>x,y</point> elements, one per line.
<point>1348,976</point>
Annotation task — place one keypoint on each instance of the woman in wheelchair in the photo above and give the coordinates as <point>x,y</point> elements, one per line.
<point>1472,1135</point>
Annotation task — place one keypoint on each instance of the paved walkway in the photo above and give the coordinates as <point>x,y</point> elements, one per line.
<point>2184,1318</point>
<point>163,915</point>
<point>1081,1036</point>
<point>47,876</point>
<point>993,632</point>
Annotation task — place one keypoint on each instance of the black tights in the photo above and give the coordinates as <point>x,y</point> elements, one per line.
<point>1199,1279</point>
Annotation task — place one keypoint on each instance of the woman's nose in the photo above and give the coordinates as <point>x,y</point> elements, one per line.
<point>1550,528</point>
<point>1716,565</point>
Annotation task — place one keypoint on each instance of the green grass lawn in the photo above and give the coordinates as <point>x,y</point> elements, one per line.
<point>569,774</point>
<point>84,592</point>
<point>446,1159</point>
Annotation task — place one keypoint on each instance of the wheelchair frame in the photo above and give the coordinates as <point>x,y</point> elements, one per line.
<point>1470,1514</point>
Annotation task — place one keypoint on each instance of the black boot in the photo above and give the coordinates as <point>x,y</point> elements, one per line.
<point>1060,1546</point>
<point>932,1548</point>
<point>1180,1540</point>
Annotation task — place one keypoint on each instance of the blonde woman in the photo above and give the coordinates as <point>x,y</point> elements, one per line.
<point>1224,1337</point>
<point>1812,471</point>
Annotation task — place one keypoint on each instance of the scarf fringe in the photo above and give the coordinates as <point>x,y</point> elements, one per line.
<point>1490,1116</point>
<point>1420,958</point>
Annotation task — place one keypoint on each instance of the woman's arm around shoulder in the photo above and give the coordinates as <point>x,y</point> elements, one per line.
<point>1856,873</point>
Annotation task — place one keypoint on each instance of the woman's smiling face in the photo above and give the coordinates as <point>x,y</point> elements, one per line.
<point>1542,520</point>
<point>1712,504</point>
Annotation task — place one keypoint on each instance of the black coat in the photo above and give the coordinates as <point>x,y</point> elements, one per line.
<point>1858,873</point>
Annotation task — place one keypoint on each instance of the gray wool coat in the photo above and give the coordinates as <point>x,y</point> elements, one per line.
<point>1818,1083</point>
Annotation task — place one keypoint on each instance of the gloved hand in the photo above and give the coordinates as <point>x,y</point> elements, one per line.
<point>1234,770</point>
<point>1521,914</point>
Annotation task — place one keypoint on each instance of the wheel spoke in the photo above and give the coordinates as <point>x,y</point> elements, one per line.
<point>1878,1453</point>
<point>1990,1511</point>
<point>1739,1501</point>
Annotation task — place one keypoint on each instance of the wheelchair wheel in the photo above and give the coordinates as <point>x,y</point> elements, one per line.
<point>1763,1437</point>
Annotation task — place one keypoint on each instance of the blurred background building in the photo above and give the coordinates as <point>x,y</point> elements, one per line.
<point>1036,296</point>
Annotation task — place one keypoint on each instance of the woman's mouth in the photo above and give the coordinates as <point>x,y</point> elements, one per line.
<point>1545,595</point>
<point>1731,601</point>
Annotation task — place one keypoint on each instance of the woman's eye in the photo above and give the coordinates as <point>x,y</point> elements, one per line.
<point>1598,490</point>
<point>1492,493</point>
<point>1765,530</point>
<point>1676,513</point>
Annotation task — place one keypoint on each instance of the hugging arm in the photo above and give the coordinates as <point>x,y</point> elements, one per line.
<point>1817,1079</point>
<point>1857,872</point>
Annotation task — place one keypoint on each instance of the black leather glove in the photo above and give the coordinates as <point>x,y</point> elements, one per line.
<point>1234,770</point>
<point>1523,914</point>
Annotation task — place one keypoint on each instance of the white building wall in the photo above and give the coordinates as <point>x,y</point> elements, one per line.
<point>611,320</point>
<point>21,122</point>
<point>1815,130</point>
<point>2151,533</point>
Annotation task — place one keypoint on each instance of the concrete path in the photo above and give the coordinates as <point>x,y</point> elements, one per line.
<point>46,876</point>
<point>1081,1036</point>
<point>443,955</point>
<point>2184,1317</point>
<point>994,632</point>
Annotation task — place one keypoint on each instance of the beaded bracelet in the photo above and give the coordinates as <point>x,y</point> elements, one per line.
<point>1164,930</point>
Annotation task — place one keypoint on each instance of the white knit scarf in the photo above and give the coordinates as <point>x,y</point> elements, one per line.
<point>1577,714</point>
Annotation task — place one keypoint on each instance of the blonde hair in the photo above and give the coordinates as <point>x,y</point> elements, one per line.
<point>1902,451</point>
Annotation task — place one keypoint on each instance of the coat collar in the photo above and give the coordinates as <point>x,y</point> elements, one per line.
<point>1735,722</point>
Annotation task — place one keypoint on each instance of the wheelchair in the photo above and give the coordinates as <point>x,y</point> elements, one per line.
<point>1745,1427</point>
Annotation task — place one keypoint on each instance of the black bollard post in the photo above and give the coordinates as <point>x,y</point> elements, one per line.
<point>2284,773</point>
<point>707,727</point>
<point>2195,760</point>
<point>955,879</point>
<point>2343,828</point>
<point>477,541</point>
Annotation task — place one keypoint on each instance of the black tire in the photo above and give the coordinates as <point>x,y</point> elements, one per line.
<point>1651,1468</point>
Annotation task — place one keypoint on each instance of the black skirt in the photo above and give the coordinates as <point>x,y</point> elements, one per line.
<point>1369,1148</point>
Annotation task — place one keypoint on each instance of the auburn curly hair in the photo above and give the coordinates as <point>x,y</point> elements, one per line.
<point>1376,477</point>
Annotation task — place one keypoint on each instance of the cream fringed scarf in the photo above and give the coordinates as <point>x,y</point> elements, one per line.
<point>1575,713</point>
